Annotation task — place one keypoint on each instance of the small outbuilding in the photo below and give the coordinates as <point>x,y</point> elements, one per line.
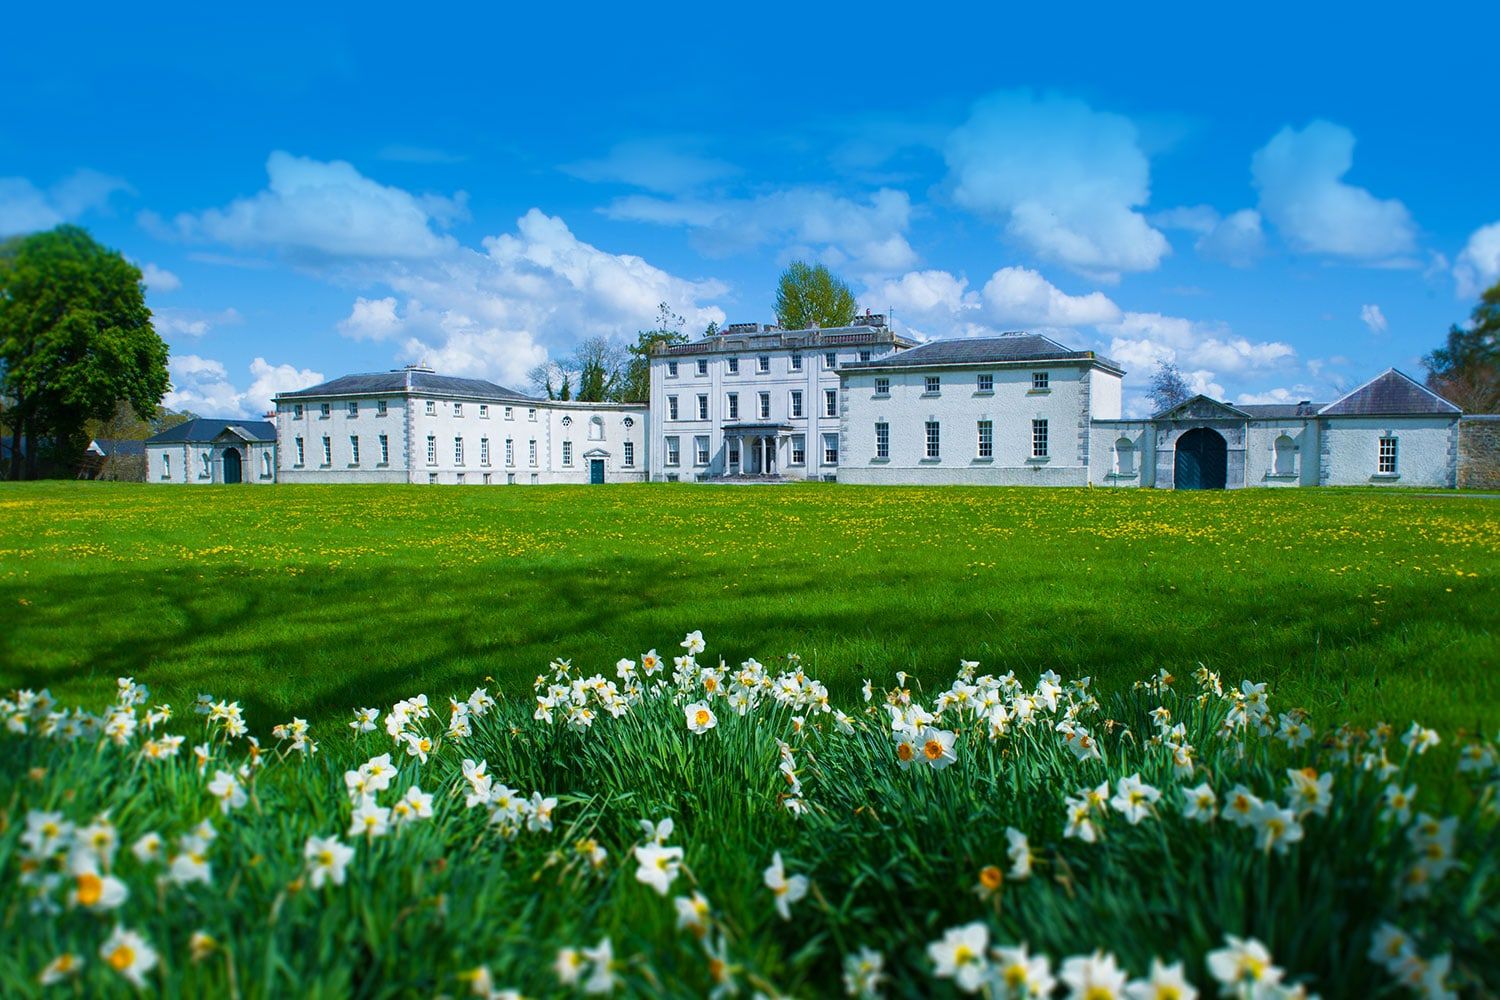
<point>206,450</point>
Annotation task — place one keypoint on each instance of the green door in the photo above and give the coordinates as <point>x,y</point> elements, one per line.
<point>232,470</point>
<point>596,471</point>
<point>1202,460</point>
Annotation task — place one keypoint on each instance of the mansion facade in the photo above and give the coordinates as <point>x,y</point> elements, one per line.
<point>857,404</point>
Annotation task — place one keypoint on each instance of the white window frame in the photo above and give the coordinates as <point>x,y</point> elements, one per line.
<point>932,442</point>
<point>1039,442</point>
<point>296,411</point>
<point>432,449</point>
<point>830,402</point>
<point>765,405</point>
<point>986,443</point>
<point>385,450</point>
<point>327,450</point>
<point>672,408</point>
<point>353,449</point>
<point>510,452</point>
<point>1388,456</point>
<point>671,369</point>
<point>700,449</point>
<point>629,454</point>
<point>732,366</point>
<point>702,406</point>
<point>830,449</point>
<point>796,362</point>
<point>458,450</point>
<point>484,452</point>
<point>532,453</point>
<point>985,383</point>
<point>732,405</point>
<point>301,452</point>
<point>883,386</point>
<point>382,407</point>
<point>794,403</point>
<point>882,439</point>
<point>354,408</point>
<point>166,465</point>
<point>763,364</point>
<point>799,449</point>
<point>702,367</point>
<point>672,451</point>
<point>431,408</point>
<point>484,411</point>
<point>1041,381</point>
<point>567,452</point>
<point>932,385</point>
<point>831,360</point>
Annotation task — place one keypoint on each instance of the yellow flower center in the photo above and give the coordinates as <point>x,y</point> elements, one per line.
<point>1015,975</point>
<point>1168,993</point>
<point>709,684</point>
<point>90,888</point>
<point>701,717</point>
<point>963,954</point>
<point>904,751</point>
<point>325,858</point>
<point>122,958</point>
<point>933,749</point>
<point>1099,993</point>
<point>990,877</point>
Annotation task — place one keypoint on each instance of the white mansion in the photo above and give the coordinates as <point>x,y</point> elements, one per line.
<point>860,404</point>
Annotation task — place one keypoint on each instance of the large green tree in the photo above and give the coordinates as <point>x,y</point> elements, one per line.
<point>634,383</point>
<point>1466,370</point>
<point>810,294</point>
<point>76,339</point>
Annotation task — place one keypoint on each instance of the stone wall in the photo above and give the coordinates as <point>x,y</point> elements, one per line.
<point>1479,452</point>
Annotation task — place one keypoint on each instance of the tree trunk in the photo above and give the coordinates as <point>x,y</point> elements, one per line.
<point>15,441</point>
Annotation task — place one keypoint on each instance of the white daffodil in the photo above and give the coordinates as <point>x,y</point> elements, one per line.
<point>1392,948</point>
<point>1309,792</point>
<point>601,966</point>
<point>1419,740</point>
<point>864,973</point>
<point>960,956</point>
<point>1200,803</point>
<point>785,890</point>
<point>1093,977</point>
<point>1240,805</point>
<point>658,866</point>
<point>1017,974</point>
<point>1275,827</point>
<point>415,804</point>
<point>147,847</point>
<point>1166,982</point>
<point>62,967</point>
<point>692,912</point>
<point>1134,798</point>
<point>327,860</point>
<point>128,954</point>
<point>227,789</point>
<point>1019,852</point>
<point>93,890</point>
<point>1243,962</point>
<point>365,719</point>
<point>700,718</point>
<point>693,643</point>
<point>1080,821</point>
<point>370,819</point>
<point>1398,802</point>
<point>937,747</point>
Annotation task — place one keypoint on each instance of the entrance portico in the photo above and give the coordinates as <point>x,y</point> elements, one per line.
<point>754,449</point>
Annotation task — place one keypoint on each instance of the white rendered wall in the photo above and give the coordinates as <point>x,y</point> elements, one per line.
<point>1107,459</point>
<point>958,407</point>
<point>814,378</point>
<point>1260,452</point>
<point>1426,450</point>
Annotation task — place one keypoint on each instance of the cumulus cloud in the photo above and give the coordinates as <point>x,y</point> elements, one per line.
<point>662,165</point>
<point>1191,345</point>
<point>26,208</point>
<point>867,235</point>
<point>1299,175</point>
<point>159,279</point>
<point>191,322</point>
<point>1017,296</point>
<point>1296,394</point>
<point>1236,239</point>
<point>1478,265</point>
<point>498,313</point>
<point>203,386</point>
<point>329,210</point>
<point>1065,180</point>
<point>1373,318</point>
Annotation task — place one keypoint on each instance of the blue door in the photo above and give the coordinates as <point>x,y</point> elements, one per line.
<point>596,471</point>
<point>1202,461</point>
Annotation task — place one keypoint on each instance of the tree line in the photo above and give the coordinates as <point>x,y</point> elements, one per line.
<point>80,360</point>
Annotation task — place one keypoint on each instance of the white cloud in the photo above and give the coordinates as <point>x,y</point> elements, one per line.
<point>540,289</point>
<point>1296,394</point>
<point>1299,175</point>
<point>202,385</point>
<point>26,208</point>
<point>159,279</point>
<point>1236,239</point>
<point>654,164</point>
<point>1017,296</point>
<point>191,322</point>
<point>1478,266</point>
<point>1373,318</point>
<point>869,236</point>
<point>371,319</point>
<point>317,209</point>
<point>1065,179</point>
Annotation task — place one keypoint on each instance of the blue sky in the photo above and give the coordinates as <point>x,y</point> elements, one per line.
<point>1283,203</point>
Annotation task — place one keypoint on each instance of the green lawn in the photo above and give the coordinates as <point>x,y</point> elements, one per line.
<point>308,600</point>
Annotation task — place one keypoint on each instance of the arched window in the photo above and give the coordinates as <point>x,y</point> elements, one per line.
<point>596,429</point>
<point>1124,457</point>
<point>1285,463</point>
<point>203,461</point>
<point>265,465</point>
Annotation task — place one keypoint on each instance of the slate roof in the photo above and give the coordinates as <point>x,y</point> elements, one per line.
<point>1391,393</point>
<point>775,338</point>
<point>203,429</point>
<point>1280,411</point>
<point>409,380</point>
<point>1017,348</point>
<point>119,448</point>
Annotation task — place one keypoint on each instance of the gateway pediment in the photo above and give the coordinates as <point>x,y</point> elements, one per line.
<point>1202,408</point>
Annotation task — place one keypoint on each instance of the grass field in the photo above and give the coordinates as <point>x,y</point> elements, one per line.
<point>309,599</point>
<point>910,838</point>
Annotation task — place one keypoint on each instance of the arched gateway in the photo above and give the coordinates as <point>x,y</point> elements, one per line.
<point>1202,460</point>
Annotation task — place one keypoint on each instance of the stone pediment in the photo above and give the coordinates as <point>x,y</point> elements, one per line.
<point>1202,408</point>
